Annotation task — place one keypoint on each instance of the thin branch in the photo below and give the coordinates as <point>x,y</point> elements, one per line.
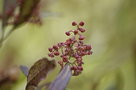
<point>3,38</point>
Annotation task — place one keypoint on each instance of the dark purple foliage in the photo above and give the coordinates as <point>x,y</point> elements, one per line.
<point>25,70</point>
<point>62,79</point>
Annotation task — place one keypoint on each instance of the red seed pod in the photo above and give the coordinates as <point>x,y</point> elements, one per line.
<point>75,32</point>
<point>65,59</point>
<point>81,23</point>
<point>81,29</point>
<point>50,49</point>
<point>74,23</point>
<point>90,52</point>
<point>68,43</point>
<point>88,47</point>
<point>51,55</point>
<point>75,68</point>
<point>59,45</point>
<point>56,53</point>
<point>55,47</point>
<point>72,68</point>
<point>81,37</point>
<point>67,33</point>
<point>80,68</point>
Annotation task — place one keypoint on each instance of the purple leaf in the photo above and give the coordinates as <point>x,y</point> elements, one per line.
<point>39,71</point>
<point>62,79</point>
<point>25,70</point>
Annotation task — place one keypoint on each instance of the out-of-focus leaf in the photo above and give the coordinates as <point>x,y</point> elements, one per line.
<point>25,70</point>
<point>39,71</point>
<point>8,7</point>
<point>62,79</point>
<point>26,11</point>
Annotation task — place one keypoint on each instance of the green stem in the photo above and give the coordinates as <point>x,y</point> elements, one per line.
<point>3,38</point>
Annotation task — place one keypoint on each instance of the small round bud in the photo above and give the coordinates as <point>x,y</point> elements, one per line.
<point>81,29</point>
<point>88,47</point>
<point>89,53</point>
<point>81,23</point>
<point>55,47</point>
<point>80,68</point>
<point>51,55</point>
<point>59,44</point>
<point>65,59</point>
<point>67,33</point>
<point>50,49</point>
<point>72,68</point>
<point>56,53</point>
<point>74,23</point>
<point>81,37</point>
<point>68,43</point>
<point>75,32</point>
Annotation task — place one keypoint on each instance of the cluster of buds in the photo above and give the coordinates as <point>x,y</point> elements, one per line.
<point>72,50</point>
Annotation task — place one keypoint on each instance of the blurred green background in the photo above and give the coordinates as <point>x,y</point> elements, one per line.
<point>111,30</point>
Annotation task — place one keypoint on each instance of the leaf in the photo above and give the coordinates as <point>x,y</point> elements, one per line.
<point>62,79</point>
<point>7,7</point>
<point>39,71</point>
<point>45,85</point>
<point>25,70</point>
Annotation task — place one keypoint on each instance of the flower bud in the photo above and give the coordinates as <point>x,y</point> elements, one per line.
<point>74,23</point>
<point>81,23</point>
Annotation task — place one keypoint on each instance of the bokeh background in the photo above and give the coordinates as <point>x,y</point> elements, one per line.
<point>111,30</point>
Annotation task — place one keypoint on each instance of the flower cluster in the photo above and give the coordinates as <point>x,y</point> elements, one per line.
<point>72,50</point>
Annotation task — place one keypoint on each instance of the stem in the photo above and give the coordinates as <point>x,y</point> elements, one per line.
<point>8,34</point>
<point>3,38</point>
